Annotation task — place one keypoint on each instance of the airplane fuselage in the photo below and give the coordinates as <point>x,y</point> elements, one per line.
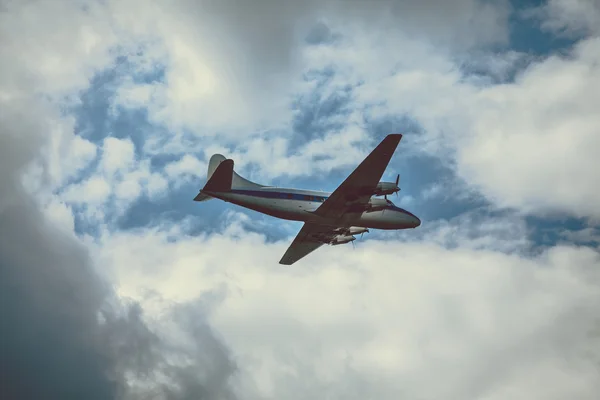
<point>299,205</point>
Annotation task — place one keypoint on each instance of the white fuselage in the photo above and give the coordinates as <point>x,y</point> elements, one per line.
<point>298,205</point>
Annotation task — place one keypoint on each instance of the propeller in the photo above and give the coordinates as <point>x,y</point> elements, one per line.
<point>396,191</point>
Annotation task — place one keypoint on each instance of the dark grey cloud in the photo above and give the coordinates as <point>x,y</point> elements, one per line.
<point>64,334</point>
<point>51,344</point>
<point>320,33</point>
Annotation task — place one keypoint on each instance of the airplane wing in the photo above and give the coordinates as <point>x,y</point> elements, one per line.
<point>306,242</point>
<point>358,187</point>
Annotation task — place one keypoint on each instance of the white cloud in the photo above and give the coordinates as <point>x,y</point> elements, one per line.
<point>156,185</point>
<point>94,191</point>
<point>128,190</point>
<point>529,144</point>
<point>476,229</point>
<point>532,143</point>
<point>394,317</point>
<point>462,313</point>
<point>54,48</point>
<point>132,95</point>
<point>67,153</point>
<point>118,155</point>
<point>186,167</point>
<point>233,86</point>
<point>60,216</point>
<point>231,67</point>
<point>273,158</point>
<point>117,182</point>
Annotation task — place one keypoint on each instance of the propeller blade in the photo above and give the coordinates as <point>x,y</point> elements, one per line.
<point>397,179</point>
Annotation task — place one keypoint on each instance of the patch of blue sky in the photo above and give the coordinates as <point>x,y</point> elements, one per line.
<point>488,69</point>
<point>132,124</point>
<point>93,113</point>
<point>528,42</point>
<point>527,35</point>
<point>96,118</point>
<point>175,207</point>
<point>380,127</point>
<point>320,111</point>
<point>86,223</point>
<point>425,178</point>
<point>551,230</point>
<point>159,161</point>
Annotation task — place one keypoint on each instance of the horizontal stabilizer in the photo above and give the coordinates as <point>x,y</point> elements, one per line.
<point>202,197</point>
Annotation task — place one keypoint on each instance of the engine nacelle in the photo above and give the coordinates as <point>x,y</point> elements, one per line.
<point>341,239</point>
<point>372,205</point>
<point>353,230</point>
<point>356,230</point>
<point>376,205</point>
<point>384,188</point>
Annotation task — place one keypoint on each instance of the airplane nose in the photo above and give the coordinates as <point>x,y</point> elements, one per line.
<point>416,221</point>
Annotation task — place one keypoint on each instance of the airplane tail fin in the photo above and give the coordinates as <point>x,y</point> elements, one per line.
<point>214,162</point>
<point>222,178</point>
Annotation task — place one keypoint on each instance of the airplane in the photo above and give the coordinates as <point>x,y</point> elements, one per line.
<point>329,218</point>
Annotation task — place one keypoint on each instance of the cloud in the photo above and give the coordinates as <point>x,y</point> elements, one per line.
<point>117,180</point>
<point>465,308</point>
<point>392,318</point>
<point>525,144</point>
<point>49,304</point>
<point>227,66</point>
<point>586,235</point>
<point>118,155</point>
<point>65,334</point>
<point>232,86</point>
<point>62,338</point>
<point>70,55</point>
<point>568,17</point>
<point>531,143</point>
<point>187,167</point>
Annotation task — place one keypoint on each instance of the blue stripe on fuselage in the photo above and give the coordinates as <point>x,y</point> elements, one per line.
<point>279,195</point>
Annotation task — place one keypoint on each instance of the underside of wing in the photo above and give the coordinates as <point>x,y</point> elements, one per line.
<point>304,243</point>
<point>358,188</point>
<point>312,236</point>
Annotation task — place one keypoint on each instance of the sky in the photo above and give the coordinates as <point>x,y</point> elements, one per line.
<point>114,284</point>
